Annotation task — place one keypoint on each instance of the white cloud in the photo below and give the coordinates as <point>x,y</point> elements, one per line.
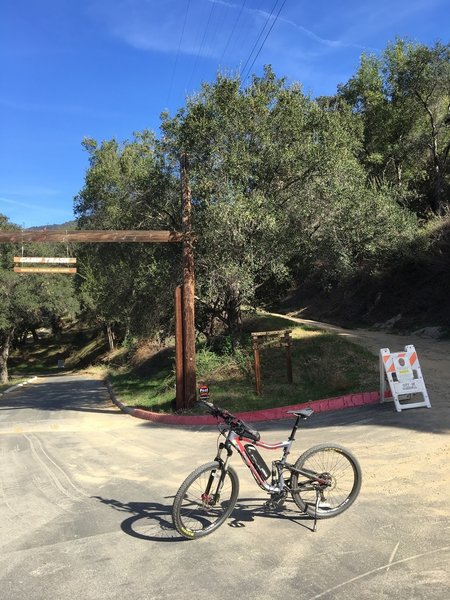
<point>27,214</point>
<point>150,24</point>
<point>37,206</point>
<point>17,203</point>
<point>156,26</point>
<point>266,16</point>
<point>28,191</point>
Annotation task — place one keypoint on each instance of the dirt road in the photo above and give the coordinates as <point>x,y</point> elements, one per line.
<point>427,452</point>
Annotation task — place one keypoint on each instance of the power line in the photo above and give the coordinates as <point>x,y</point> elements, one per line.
<point>233,29</point>
<point>178,52</point>
<point>202,43</point>
<point>260,35</point>
<point>255,52</point>
<point>244,78</point>
<point>209,47</point>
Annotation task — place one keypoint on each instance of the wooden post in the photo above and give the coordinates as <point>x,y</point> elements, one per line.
<point>257,365</point>
<point>287,341</point>
<point>179,367</point>
<point>188,289</point>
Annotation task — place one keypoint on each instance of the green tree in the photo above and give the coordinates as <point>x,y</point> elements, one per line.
<point>128,287</point>
<point>243,147</point>
<point>278,191</point>
<point>28,301</point>
<point>277,188</point>
<point>403,100</point>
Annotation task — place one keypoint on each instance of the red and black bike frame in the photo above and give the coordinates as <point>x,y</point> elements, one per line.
<point>238,442</point>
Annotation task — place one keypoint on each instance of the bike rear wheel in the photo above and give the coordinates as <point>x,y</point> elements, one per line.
<point>340,468</point>
<point>205,499</point>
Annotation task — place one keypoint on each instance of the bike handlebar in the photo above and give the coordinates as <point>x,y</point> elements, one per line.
<point>217,412</point>
<point>235,424</point>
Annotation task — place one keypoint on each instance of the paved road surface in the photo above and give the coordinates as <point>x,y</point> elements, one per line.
<point>86,493</point>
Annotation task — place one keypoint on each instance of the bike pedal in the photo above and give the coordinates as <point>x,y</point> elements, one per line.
<point>272,506</point>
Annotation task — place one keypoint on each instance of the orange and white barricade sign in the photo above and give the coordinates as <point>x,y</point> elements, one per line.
<point>401,370</point>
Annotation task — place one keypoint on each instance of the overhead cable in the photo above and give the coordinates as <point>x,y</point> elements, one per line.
<point>178,52</point>
<point>233,29</point>
<point>244,77</point>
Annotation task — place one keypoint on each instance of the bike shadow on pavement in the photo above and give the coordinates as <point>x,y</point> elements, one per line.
<point>152,521</point>
<point>248,510</point>
<point>147,521</point>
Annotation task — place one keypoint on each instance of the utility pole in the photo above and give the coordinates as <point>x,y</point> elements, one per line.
<point>179,350</point>
<point>188,288</point>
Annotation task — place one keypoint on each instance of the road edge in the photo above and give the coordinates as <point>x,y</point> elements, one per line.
<point>269,414</point>
<point>18,385</point>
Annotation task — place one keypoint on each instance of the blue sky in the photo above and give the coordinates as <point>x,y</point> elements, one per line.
<point>106,68</point>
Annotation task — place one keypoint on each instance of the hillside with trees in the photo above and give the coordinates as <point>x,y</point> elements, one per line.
<point>339,203</point>
<point>31,301</point>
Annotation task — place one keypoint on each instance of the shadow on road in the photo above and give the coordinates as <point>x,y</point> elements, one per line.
<point>59,395</point>
<point>152,521</point>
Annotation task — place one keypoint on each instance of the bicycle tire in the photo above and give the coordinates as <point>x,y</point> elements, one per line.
<point>345,472</point>
<point>193,517</point>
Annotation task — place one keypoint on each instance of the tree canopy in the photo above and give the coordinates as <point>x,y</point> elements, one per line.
<point>279,192</point>
<point>28,301</point>
<point>286,189</point>
<point>402,98</point>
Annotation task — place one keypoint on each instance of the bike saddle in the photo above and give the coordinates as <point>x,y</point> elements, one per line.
<point>304,413</point>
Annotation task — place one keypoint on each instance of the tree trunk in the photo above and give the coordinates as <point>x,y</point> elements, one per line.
<point>110,335</point>
<point>57,327</point>
<point>398,169</point>
<point>233,311</point>
<point>439,191</point>
<point>438,182</point>
<point>5,340</point>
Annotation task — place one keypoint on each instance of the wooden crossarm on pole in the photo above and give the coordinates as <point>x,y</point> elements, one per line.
<point>91,236</point>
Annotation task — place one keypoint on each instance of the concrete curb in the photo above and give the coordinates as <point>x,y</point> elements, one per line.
<point>269,414</point>
<point>18,385</point>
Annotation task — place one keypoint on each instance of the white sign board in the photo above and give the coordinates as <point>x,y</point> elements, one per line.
<point>401,370</point>
<point>45,259</point>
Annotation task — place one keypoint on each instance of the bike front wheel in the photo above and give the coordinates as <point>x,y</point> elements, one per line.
<point>335,465</point>
<point>205,499</point>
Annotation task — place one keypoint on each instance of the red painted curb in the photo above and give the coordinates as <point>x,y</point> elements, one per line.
<point>269,414</point>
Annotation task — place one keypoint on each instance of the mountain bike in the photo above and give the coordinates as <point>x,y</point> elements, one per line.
<point>323,482</point>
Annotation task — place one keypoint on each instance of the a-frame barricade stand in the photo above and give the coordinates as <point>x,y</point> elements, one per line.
<point>402,372</point>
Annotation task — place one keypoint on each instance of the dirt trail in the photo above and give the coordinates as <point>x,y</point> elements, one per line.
<point>413,445</point>
<point>434,355</point>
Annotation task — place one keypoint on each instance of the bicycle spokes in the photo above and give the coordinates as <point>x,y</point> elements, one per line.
<point>326,481</point>
<point>205,500</point>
